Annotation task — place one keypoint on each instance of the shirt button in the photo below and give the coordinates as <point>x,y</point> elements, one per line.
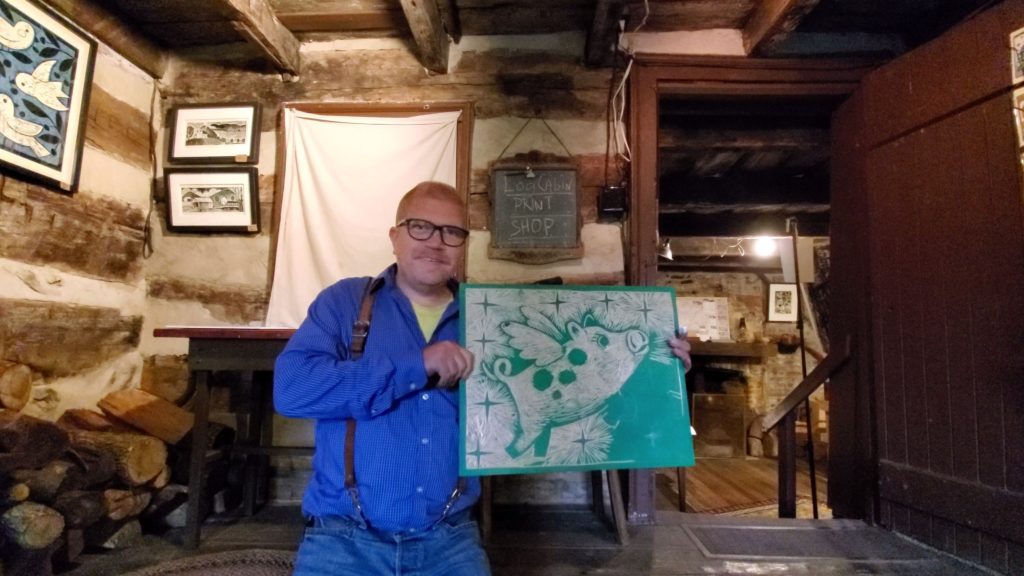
<point>425,396</point>
<point>412,386</point>
<point>424,440</point>
<point>419,489</point>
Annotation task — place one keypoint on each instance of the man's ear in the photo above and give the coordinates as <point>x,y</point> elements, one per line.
<point>393,235</point>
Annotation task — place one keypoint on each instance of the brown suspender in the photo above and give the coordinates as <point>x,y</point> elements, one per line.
<point>360,331</point>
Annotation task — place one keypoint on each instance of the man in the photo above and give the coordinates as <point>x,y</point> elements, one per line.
<point>405,511</point>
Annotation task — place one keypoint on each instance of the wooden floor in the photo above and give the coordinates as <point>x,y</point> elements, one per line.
<point>739,486</point>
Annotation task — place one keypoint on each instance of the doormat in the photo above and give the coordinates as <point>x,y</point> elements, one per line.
<point>232,563</point>
<point>802,542</point>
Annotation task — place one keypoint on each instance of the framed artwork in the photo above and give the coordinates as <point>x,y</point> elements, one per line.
<point>1017,55</point>
<point>212,200</point>
<point>782,303</point>
<point>218,134</point>
<point>571,378</point>
<point>1018,115</point>
<point>45,76</point>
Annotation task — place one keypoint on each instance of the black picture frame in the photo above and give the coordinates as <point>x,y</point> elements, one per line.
<point>226,133</point>
<point>45,79</point>
<point>213,200</point>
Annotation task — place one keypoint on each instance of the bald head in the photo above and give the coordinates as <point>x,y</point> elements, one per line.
<point>438,191</point>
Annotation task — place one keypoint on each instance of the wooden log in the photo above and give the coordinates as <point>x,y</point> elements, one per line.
<point>27,442</point>
<point>28,562</point>
<point>32,526</point>
<point>121,504</point>
<point>93,467</point>
<point>15,385</point>
<point>72,544</point>
<point>162,479</point>
<point>46,482</point>
<point>13,493</point>
<point>81,508</point>
<point>166,501</point>
<point>126,535</point>
<point>85,419</point>
<point>138,458</point>
<point>148,413</point>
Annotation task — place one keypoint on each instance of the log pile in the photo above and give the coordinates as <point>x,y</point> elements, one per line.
<point>91,479</point>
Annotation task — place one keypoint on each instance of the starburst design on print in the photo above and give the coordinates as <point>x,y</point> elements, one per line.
<point>588,442</point>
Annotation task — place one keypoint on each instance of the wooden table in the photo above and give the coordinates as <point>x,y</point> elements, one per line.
<point>242,349</point>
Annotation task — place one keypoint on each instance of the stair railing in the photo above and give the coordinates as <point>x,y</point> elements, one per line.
<point>783,415</point>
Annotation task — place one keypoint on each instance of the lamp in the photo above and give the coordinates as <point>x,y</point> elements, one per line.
<point>665,248</point>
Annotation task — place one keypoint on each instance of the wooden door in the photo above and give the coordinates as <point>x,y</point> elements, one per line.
<point>928,275</point>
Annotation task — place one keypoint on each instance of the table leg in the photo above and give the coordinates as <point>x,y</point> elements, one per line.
<point>618,507</point>
<point>681,484</point>
<point>197,466</point>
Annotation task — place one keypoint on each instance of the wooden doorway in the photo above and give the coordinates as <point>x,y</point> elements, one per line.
<point>656,77</point>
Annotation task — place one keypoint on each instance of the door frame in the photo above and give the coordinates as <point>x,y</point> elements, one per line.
<point>656,75</point>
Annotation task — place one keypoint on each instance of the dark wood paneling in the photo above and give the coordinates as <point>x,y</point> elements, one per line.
<point>946,213</point>
<point>852,444</point>
<point>921,82</point>
<point>885,254</point>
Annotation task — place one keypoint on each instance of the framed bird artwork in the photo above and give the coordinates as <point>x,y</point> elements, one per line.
<point>46,65</point>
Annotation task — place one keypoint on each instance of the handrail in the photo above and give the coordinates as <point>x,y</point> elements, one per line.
<point>784,417</point>
<point>823,371</point>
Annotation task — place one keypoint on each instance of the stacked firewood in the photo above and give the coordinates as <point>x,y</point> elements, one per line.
<point>88,479</point>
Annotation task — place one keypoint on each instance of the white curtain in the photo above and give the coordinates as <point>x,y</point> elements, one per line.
<point>343,178</point>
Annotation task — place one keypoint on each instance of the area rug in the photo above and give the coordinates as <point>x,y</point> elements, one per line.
<point>232,563</point>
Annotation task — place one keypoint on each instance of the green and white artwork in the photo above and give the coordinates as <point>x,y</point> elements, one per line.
<point>571,378</point>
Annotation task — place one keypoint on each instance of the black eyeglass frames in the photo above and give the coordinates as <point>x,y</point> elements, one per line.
<point>419,229</point>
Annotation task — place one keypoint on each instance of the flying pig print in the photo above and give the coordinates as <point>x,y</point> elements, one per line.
<point>571,378</point>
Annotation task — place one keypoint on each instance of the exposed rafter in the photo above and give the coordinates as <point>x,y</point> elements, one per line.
<point>113,32</point>
<point>772,21</point>
<point>603,32</point>
<point>425,21</point>
<point>255,20</point>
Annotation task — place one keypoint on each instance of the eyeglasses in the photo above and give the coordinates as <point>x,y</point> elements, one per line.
<point>423,230</point>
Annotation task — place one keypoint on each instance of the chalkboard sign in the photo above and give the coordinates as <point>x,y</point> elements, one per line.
<point>535,209</point>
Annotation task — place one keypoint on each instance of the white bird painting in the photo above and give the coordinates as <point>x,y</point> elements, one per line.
<point>18,130</point>
<point>16,37</point>
<point>38,84</point>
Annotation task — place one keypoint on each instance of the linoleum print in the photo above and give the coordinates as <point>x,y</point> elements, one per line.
<point>571,378</point>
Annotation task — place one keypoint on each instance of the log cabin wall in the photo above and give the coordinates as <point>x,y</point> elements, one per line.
<point>72,281</point>
<point>225,280</point>
<point>927,189</point>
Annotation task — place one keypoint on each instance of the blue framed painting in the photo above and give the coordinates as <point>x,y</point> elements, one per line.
<point>46,67</point>
<point>571,378</point>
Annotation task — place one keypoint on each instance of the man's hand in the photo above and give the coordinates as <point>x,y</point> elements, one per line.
<point>449,362</point>
<point>681,349</point>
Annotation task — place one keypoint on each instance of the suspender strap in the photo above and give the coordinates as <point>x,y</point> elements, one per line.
<point>360,331</point>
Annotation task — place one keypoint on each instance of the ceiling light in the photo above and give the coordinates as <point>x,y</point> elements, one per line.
<point>765,247</point>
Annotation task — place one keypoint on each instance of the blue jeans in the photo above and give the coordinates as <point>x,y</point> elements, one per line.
<point>338,546</point>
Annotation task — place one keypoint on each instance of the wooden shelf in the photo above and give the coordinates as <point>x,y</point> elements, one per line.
<point>735,349</point>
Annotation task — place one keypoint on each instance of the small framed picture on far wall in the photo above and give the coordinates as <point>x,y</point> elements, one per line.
<point>782,302</point>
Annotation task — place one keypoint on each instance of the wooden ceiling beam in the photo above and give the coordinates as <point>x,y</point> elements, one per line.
<point>679,139</point>
<point>299,22</point>
<point>772,21</point>
<point>424,17</point>
<point>603,32</point>
<point>113,32</point>
<point>255,20</point>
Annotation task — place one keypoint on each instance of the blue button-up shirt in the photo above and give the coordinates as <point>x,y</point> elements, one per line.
<point>407,434</point>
